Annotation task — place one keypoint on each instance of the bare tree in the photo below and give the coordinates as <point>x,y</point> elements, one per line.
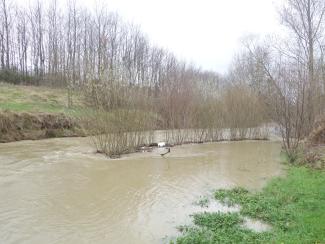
<point>6,22</point>
<point>305,18</point>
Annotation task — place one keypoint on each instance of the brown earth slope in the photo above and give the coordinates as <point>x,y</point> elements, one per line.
<point>32,126</point>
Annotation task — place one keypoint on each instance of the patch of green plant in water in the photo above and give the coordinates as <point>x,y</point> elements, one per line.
<point>231,197</point>
<point>292,205</point>
<point>217,228</point>
<point>203,202</point>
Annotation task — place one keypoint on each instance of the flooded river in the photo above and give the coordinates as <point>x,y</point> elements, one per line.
<point>59,191</point>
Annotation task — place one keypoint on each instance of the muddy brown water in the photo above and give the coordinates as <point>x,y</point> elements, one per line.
<point>59,191</point>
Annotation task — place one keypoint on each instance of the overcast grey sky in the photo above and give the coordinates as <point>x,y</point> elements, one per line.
<point>205,32</point>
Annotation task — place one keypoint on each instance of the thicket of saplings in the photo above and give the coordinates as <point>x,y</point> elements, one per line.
<point>133,86</point>
<point>125,118</point>
<point>136,87</point>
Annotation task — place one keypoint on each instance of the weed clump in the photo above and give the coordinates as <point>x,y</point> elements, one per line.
<point>292,205</point>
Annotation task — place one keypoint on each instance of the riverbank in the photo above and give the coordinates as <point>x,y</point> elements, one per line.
<point>36,99</point>
<point>15,126</point>
<point>32,113</point>
<point>292,205</point>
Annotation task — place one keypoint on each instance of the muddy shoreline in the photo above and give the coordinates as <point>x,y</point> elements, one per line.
<point>21,126</point>
<point>35,126</point>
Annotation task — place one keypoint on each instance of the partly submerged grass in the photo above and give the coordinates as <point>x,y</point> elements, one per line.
<point>293,205</point>
<point>34,99</point>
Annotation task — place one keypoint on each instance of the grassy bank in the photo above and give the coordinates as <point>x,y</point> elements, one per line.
<point>292,205</point>
<point>34,99</point>
<point>31,113</point>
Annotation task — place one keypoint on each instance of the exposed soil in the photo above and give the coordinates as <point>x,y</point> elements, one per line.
<point>33,126</point>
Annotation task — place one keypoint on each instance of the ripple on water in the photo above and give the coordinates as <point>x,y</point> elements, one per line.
<point>62,192</point>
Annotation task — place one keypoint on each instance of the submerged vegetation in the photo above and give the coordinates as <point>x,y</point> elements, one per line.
<point>293,206</point>
<point>125,121</point>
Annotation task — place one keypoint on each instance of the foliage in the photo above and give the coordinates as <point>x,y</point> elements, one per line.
<point>292,205</point>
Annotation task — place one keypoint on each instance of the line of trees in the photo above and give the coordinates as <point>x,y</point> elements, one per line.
<point>288,71</point>
<point>135,86</point>
<point>76,45</point>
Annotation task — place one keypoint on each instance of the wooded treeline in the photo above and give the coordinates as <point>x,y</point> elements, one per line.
<point>135,86</point>
<point>74,45</point>
<point>288,70</point>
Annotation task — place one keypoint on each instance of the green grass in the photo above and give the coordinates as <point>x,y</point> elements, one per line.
<point>34,99</point>
<point>293,205</point>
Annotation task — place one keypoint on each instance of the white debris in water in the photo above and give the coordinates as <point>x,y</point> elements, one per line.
<point>256,225</point>
<point>161,144</point>
<point>216,206</point>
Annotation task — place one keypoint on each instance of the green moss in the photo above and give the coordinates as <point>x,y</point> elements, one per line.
<point>292,205</point>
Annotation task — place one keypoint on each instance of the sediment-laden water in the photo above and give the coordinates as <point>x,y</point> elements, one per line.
<point>59,191</point>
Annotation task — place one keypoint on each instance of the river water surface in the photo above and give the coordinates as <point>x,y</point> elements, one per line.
<point>59,191</point>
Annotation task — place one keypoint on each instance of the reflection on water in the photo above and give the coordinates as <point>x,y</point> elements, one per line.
<point>59,191</point>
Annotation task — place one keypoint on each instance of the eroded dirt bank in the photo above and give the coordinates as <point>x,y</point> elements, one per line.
<point>16,126</point>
